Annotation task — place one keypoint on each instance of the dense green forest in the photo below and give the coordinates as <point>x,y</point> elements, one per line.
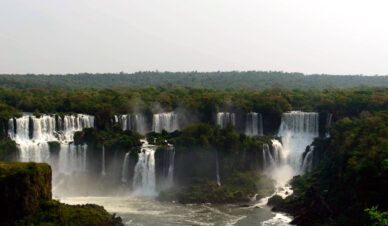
<point>275,100</point>
<point>257,80</point>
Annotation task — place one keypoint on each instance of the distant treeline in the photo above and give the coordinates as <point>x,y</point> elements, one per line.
<point>257,80</point>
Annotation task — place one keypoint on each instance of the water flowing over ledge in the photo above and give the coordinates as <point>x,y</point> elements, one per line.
<point>280,160</point>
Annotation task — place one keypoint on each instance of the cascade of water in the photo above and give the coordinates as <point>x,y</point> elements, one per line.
<point>165,121</point>
<point>254,124</point>
<point>328,124</point>
<point>277,152</point>
<point>32,135</point>
<point>103,161</point>
<point>144,176</point>
<point>170,172</point>
<point>124,171</point>
<point>124,121</point>
<point>268,159</point>
<point>307,164</point>
<point>223,118</point>
<point>135,122</point>
<point>297,130</point>
<point>72,158</point>
<point>218,170</point>
<point>139,123</point>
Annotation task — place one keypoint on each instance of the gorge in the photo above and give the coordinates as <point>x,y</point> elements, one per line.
<point>50,139</point>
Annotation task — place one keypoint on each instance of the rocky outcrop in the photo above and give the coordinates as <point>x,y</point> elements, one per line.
<point>26,199</point>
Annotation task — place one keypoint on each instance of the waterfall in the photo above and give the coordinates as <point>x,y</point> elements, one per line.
<point>135,122</point>
<point>268,159</point>
<point>144,177</point>
<point>328,124</point>
<point>277,152</point>
<point>165,121</point>
<point>297,131</point>
<point>307,163</point>
<point>224,118</point>
<point>170,171</point>
<point>72,158</point>
<point>272,154</point>
<point>33,134</point>
<point>103,161</point>
<point>124,171</point>
<point>217,170</point>
<point>254,124</point>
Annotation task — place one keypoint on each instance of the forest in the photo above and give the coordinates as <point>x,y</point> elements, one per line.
<point>256,80</point>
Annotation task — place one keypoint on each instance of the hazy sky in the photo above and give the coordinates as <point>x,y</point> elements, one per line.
<point>310,36</point>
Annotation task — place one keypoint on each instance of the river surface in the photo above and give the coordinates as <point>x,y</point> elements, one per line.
<point>147,211</point>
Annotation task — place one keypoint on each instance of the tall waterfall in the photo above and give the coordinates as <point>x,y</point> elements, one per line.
<point>165,121</point>
<point>254,124</point>
<point>218,170</point>
<point>33,134</point>
<point>72,158</point>
<point>307,162</point>
<point>328,123</point>
<point>277,152</point>
<point>268,159</point>
<point>223,118</point>
<point>103,172</point>
<point>144,177</point>
<point>170,158</point>
<point>297,131</point>
<point>124,171</point>
<point>135,122</point>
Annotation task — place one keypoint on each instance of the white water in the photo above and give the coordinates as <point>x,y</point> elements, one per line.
<point>307,164</point>
<point>224,118</point>
<point>254,124</point>
<point>103,172</point>
<point>144,177</point>
<point>124,171</point>
<point>149,212</point>
<point>33,134</point>
<point>72,158</point>
<point>218,170</point>
<point>328,123</point>
<point>135,122</point>
<point>170,173</point>
<point>165,121</point>
<point>297,131</point>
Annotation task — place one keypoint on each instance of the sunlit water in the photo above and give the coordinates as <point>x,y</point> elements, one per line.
<point>148,211</point>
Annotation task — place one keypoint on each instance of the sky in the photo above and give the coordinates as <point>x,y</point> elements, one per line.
<point>98,36</point>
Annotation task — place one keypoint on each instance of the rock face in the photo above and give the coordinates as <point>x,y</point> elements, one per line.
<point>25,199</point>
<point>23,186</point>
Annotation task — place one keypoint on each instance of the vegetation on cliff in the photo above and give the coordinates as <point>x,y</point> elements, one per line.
<point>237,156</point>
<point>113,139</point>
<point>26,200</point>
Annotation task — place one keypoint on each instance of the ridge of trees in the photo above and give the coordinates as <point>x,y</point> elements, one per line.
<point>257,80</point>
